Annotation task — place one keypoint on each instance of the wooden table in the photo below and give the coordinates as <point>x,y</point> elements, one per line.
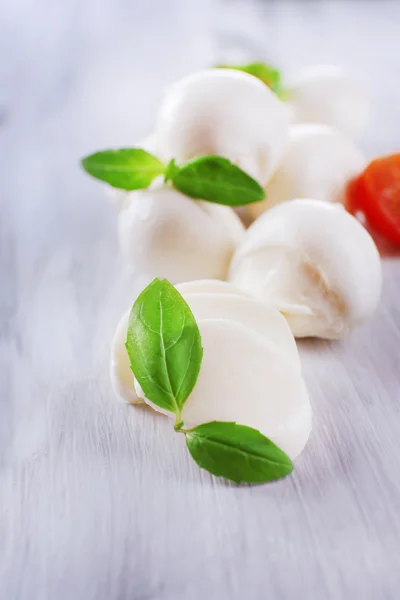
<point>100,501</point>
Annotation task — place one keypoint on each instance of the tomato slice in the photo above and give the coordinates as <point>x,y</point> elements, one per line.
<point>376,194</point>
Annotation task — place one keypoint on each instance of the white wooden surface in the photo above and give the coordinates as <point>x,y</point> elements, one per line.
<point>99,501</point>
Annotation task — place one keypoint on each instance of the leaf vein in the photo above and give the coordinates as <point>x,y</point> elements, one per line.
<point>163,353</point>
<point>237,448</point>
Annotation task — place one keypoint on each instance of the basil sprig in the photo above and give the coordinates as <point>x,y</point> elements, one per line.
<point>263,71</point>
<point>210,178</point>
<point>165,351</point>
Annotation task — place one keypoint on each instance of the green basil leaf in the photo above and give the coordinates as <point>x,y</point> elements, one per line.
<point>127,168</point>
<point>216,179</point>
<point>164,346</point>
<point>171,171</point>
<point>266,73</point>
<point>237,452</point>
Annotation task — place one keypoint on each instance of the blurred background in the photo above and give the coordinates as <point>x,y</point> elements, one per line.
<point>86,511</point>
<point>80,75</point>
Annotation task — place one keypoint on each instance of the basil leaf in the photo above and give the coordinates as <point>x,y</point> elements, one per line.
<point>266,73</point>
<point>164,346</point>
<point>127,168</point>
<point>216,179</point>
<point>237,452</point>
<point>171,171</point>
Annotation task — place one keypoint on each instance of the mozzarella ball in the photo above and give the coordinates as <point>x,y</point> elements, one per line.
<point>252,385</point>
<point>318,163</point>
<point>163,233</point>
<point>314,262</point>
<point>250,371</point>
<point>122,379</point>
<point>226,113</point>
<point>209,299</point>
<point>327,94</point>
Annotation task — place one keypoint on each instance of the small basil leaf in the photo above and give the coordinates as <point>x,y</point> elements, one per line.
<point>266,73</point>
<point>171,170</point>
<point>127,168</point>
<point>216,179</point>
<point>164,346</point>
<point>237,452</point>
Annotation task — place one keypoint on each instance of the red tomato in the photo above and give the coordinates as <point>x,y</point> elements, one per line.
<point>376,193</point>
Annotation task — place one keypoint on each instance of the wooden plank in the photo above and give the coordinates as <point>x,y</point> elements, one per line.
<point>100,501</point>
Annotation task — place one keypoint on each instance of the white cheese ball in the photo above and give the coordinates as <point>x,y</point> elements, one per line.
<point>163,233</point>
<point>327,94</point>
<point>122,379</point>
<point>208,299</point>
<point>243,379</point>
<point>318,163</point>
<point>226,113</point>
<point>250,372</point>
<point>315,263</point>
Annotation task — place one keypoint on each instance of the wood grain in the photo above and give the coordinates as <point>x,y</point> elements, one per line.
<point>102,502</point>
